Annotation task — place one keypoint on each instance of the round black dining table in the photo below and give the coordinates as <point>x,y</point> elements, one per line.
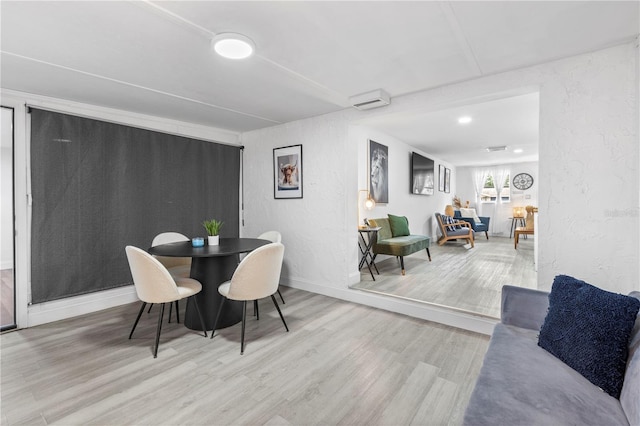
<point>212,266</point>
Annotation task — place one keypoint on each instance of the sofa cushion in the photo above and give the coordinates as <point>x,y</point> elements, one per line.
<point>630,394</point>
<point>385,229</point>
<point>522,384</point>
<point>471,214</point>
<point>588,329</point>
<point>399,225</point>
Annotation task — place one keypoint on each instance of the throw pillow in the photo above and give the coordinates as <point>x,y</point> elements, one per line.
<point>399,225</point>
<point>470,214</point>
<point>588,329</point>
<point>448,219</point>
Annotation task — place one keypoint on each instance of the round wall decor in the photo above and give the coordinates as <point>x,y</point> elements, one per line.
<point>522,181</point>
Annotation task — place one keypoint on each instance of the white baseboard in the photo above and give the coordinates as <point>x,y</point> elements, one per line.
<point>57,310</point>
<point>430,312</point>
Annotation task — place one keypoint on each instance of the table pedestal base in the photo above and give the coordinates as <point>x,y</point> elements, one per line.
<point>211,272</point>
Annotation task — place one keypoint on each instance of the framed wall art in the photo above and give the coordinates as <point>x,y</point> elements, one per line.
<point>447,180</point>
<point>287,172</point>
<point>379,172</point>
<point>440,178</point>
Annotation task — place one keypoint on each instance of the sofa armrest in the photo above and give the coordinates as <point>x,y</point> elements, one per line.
<point>523,307</point>
<point>484,219</point>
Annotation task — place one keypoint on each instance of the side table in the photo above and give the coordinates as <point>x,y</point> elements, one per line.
<point>515,222</point>
<point>365,245</point>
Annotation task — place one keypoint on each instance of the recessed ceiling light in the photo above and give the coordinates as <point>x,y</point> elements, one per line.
<point>518,151</point>
<point>233,45</point>
<point>464,120</point>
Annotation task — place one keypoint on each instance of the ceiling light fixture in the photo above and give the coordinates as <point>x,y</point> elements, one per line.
<point>496,148</point>
<point>464,120</point>
<point>233,45</point>
<point>518,151</point>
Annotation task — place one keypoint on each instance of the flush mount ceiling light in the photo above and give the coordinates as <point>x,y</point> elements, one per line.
<point>233,45</point>
<point>464,120</point>
<point>496,148</point>
<point>518,151</point>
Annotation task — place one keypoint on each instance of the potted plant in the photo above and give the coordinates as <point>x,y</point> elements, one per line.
<point>213,230</point>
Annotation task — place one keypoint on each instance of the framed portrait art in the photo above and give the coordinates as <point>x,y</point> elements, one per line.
<point>447,180</point>
<point>287,171</point>
<point>441,178</point>
<point>379,172</point>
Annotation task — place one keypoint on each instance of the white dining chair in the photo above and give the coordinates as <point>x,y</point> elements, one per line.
<point>154,284</point>
<point>274,237</point>
<point>256,277</point>
<point>179,267</point>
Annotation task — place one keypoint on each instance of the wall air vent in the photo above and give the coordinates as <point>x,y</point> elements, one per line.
<point>496,148</point>
<point>370,100</point>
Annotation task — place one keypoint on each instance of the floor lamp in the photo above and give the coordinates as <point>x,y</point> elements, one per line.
<point>369,204</point>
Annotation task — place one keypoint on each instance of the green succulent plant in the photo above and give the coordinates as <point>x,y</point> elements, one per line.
<point>212,226</point>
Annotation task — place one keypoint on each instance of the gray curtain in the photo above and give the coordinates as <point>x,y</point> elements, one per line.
<point>99,186</point>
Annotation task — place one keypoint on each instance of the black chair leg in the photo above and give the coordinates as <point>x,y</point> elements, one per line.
<point>429,254</point>
<point>138,318</point>
<point>402,264</point>
<point>281,298</point>
<point>170,311</point>
<point>150,306</point>
<point>215,324</point>
<point>177,313</point>
<point>155,352</point>
<point>195,302</point>
<point>275,302</point>
<point>255,310</point>
<point>244,320</point>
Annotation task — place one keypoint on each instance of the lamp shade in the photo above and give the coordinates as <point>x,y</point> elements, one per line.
<point>518,212</point>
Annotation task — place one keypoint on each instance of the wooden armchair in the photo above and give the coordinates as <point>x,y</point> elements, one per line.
<point>454,230</point>
<point>528,229</point>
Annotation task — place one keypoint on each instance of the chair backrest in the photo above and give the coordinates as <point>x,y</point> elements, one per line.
<point>258,275</point>
<point>171,237</point>
<point>385,228</point>
<point>151,279</point>
<point>273,236</point>
<point>443,229</point>
<point>529,221</point>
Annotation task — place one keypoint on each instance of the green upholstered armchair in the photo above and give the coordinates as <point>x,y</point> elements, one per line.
<point>399,246</point>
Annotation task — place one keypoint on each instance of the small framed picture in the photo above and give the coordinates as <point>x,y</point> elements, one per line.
<point>441,178</point>
<point>287,171</point>
<point>447,180</point>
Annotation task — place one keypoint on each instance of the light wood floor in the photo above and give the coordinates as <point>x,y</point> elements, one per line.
<point>341,363</point>
<point>467,279</point>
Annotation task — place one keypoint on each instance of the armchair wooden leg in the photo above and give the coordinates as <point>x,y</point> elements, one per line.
<point>487,234</point>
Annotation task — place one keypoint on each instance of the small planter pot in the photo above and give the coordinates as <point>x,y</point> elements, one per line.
<point>214,240</point>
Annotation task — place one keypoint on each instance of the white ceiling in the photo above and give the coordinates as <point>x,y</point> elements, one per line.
<point>154,58</point>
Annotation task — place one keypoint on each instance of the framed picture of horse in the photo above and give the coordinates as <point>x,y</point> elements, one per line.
<point>287,172</point>
<point>379,172</point>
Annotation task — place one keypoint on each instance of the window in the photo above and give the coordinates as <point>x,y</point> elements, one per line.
<point>489,193</point>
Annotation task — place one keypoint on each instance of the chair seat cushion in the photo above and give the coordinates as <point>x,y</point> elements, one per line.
<point>402,246</point>
<point>187,286</point>
<point>181,271</point>
<point>460,232</point>
<point>223,288</point>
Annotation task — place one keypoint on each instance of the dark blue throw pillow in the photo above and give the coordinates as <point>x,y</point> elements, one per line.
<point>588,329</point>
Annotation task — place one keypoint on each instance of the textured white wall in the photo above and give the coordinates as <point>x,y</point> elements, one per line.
<point>589,169</point>
<point>588,177</point>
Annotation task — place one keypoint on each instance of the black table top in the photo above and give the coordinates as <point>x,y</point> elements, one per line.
<point>227,246</point>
